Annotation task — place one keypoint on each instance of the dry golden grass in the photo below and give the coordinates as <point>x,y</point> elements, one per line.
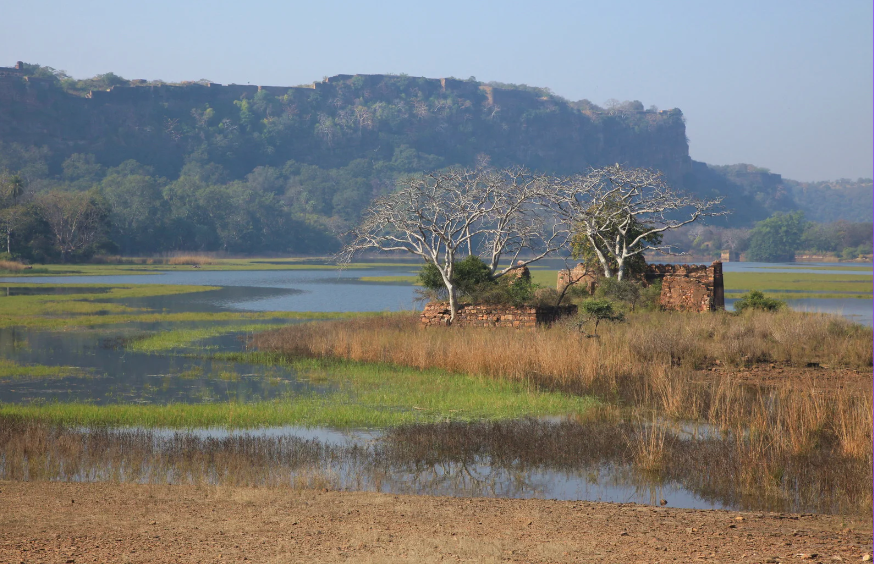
<point>191,259</point>
<point>11,265</point>
<point>679,366</point>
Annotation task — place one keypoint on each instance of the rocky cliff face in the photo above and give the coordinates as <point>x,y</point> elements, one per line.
<point>333,122</point>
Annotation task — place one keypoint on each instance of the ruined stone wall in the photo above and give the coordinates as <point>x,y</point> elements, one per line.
<point>685,287</point>
<point>689,287</point>
<point>437,314</point>
<point>579,275</point>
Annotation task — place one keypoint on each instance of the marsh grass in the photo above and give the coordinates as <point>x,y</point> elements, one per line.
<point>837,266</point>
<point>97,305</point>
<point>361,396</point>
<point>12,266</point>
<point>10,370</point>
<point>198,260</point>
<point>799,282</point>
<point>182,338</point>
<point>656,365</point>
<point>441,458</point>
<point>649,344</point>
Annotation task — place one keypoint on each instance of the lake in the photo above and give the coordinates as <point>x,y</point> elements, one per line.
<point>341,290</point>
<point>104,371</point>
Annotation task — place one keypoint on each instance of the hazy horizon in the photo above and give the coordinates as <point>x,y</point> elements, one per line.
<point>785,85</point>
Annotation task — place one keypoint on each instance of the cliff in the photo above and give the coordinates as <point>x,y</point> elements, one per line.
<point>332,122</point>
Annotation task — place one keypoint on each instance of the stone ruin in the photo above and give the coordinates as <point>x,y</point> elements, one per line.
<point>685,287</point>
<point>437,314</point>
<point>689,287</point>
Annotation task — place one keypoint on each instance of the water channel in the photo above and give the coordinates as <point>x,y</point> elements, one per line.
<point>103,371</point>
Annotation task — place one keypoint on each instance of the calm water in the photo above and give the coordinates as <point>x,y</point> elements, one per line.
<point>270,290</point>
<point>107,373</point>
<point>104,372</point>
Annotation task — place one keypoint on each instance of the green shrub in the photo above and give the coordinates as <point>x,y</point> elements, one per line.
<point>757,300</point>
<point>651,295</point>
<point>469,274</point>
<point>596,310</point>
<point>508,289</point>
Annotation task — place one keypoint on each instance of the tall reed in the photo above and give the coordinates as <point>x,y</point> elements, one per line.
<point>714,369</point>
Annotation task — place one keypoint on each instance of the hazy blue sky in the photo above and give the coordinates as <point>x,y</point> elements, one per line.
<point>785,85</point>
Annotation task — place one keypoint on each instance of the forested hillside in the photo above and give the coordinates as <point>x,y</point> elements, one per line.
<point>253,169</point>
<point>844,199</point>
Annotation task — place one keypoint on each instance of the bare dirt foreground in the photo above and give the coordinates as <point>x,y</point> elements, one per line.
<point>64,522</point>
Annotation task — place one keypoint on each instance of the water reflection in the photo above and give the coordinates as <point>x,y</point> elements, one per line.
<point>112,374</point>
<point>50,290</point>
<point>854,309</point>
<point>403,461</point>
<point>270,290</point>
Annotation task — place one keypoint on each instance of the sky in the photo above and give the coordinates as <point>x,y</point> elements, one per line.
<point>785,85</point>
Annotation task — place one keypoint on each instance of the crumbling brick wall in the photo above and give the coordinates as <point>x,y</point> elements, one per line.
<point>689,287</point>
<point>437,314</point>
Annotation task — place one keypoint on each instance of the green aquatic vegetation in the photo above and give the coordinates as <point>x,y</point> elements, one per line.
<point>801,281</point>
<point>9,369</point>
<point>784,295</point>
<point>366,395</point>
<point>179,338</point>
<point>100,300</point>
<point>192,373</point>
<point>94,308</point>
<point>837,266</point>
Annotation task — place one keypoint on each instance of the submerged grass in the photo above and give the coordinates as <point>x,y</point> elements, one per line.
<point>9,369</point>
<point>97,304</point>
<point>801,281</point>
<point>180,338</point>
<point>365,395</point>
<point>450,458</point>
<point>837,266</point>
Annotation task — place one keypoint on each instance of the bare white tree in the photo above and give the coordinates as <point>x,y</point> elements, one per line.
<point>619,213</point>
<point>443,216</point>
<point>74,218</point>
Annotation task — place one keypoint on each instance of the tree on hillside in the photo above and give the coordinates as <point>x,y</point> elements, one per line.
<point>777,238</point>
<point>619,213</point>
<point>76,219</point>
<point>444,216</point>
<point>11,190</point>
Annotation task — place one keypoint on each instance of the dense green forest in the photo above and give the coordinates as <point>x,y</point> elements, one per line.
<point>196,166</point>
